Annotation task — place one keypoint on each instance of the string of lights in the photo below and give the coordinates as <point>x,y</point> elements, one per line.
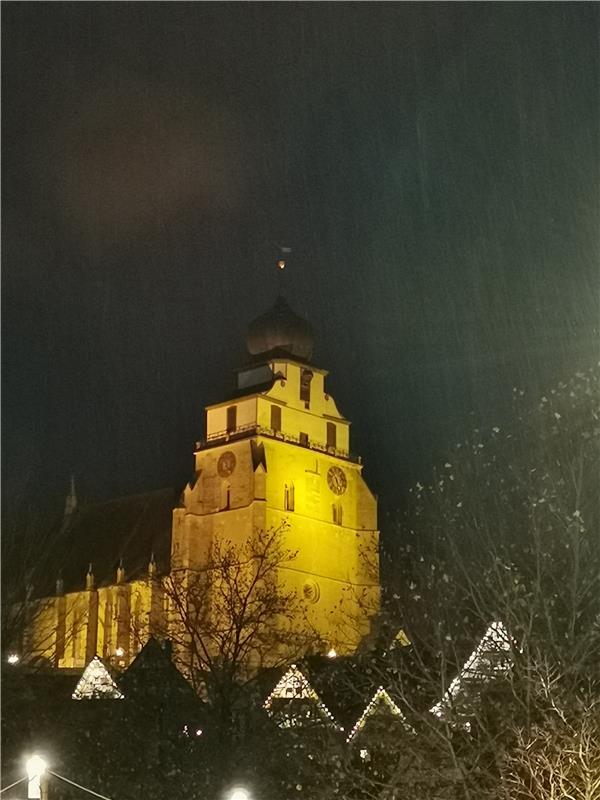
<point>294,686</point>
<point>490,657</point>
<point>380,697</point>
<point>96,683</point>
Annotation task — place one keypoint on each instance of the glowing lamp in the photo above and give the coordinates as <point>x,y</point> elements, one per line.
<point>13,658</point>
<point>119,652</point>
<point>35,766</point>
<point>332,653</point>
<point>239,793</point>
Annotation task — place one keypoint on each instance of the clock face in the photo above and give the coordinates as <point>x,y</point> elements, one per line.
<point>226,464</point>
<point>336,479</point>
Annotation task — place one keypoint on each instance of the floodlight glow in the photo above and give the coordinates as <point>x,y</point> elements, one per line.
<point>332,653</point>
<point>13,658</point>
<point>35,766</point>
<point>239,793</point>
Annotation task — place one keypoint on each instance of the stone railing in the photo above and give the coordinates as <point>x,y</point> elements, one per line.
<point>243,431</point>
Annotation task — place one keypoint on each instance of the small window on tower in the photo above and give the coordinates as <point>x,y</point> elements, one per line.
<point>276,418</point>
<point>306,377</point>
<point>288,500</point>
<point>303,439</point>
<point>231,419</point>
<point>331,435</point>
<point>337,514</point>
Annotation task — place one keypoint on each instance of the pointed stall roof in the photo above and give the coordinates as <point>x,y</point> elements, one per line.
<point>291,688</point>
<point>152,672</point>
<point>380,701</point>
<point>96,683</point>
<point>491,658</point>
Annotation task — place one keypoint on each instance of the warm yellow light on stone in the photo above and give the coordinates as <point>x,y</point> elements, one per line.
<point>275,457</point>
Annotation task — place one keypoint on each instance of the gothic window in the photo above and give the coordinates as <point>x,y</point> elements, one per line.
<point>331,435</point>
<point>337,514</point>
<point>306,377</point>
<point>231,418</point>
<point>288,498</point>
<point>276,418</point>
<point>303,439</point>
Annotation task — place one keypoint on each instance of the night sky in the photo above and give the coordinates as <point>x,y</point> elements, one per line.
<point>434,168</point>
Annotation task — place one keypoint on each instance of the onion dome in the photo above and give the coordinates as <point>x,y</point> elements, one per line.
<point>282,331</point>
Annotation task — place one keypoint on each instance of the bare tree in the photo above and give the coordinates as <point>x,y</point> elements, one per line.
<point>506,531</point>
<point>234,616</point>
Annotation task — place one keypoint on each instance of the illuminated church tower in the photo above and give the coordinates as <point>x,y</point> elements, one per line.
<point>276,456</point>
<point>277,453</point>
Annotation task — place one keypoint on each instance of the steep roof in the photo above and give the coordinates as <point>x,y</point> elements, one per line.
<point>128,528</point>
<point>152,671</point>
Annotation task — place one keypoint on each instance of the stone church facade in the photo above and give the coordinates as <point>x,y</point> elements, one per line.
<point>275,455</point>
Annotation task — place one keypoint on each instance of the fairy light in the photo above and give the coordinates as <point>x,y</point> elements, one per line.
<point>490,658</point>
<point>294,686</point>
<point>96,683</point>
<point>380,698</point>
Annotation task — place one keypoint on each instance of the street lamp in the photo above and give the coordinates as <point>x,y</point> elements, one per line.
<point>239,793</point>
<point>36,766</point>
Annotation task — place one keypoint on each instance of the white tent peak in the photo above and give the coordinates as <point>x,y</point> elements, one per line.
<point>96,683</point>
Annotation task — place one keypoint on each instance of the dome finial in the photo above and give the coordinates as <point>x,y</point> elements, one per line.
<point>282,263</point>
<point>280,332</point>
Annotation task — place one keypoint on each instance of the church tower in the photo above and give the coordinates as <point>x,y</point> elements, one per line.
<point>277,453</point>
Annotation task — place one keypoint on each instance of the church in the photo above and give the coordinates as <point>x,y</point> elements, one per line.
<point>275,456</point>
